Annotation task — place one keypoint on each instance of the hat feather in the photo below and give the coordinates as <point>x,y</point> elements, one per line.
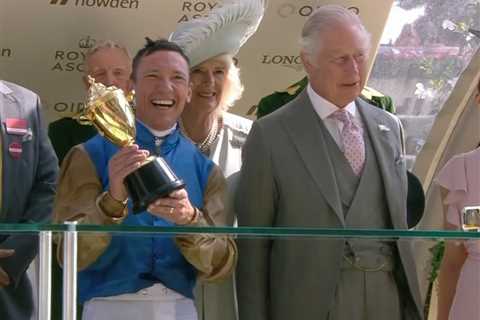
<point>226,28</point>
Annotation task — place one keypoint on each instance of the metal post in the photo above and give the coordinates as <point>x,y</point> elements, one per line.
<point>45,275</point>
<point>70,272</point>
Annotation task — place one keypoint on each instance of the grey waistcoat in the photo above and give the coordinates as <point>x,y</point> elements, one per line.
<point>363,197</point>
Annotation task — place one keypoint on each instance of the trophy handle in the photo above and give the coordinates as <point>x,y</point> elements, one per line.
<point>82,119</point>
<point>130,97</point>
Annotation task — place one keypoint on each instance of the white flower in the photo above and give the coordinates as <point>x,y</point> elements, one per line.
<point>451,82</point>
<point>423,93</point>
<point>449,25</point>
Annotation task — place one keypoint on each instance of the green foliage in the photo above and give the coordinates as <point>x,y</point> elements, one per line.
<point>442,50</point>
<point>463,13</point>
<point>437,254</point>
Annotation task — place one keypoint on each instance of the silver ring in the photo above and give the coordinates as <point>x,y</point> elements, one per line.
<point>171,210</point>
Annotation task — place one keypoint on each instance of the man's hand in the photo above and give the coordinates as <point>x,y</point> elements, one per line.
<point>4,278</point>
<point>124,162</point>
<point>175,208</point>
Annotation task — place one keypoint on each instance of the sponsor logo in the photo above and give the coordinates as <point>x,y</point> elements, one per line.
<point>194,9</point>
<point>288,61</point>
<point>72,59</point>
<point>5,52</point>
<point>292,8</point>
<point>86,43</point>
<point>117,4</point>
<point>71,107</point>
<point>61,2</point>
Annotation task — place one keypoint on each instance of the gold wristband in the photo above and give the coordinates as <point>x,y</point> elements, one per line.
<point>111,198</point>
<point>111,206</point>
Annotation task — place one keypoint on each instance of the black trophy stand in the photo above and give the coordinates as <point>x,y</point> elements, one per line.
<point>150,182</point>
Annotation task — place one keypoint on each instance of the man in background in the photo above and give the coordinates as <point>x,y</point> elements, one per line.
<point>110,64</point>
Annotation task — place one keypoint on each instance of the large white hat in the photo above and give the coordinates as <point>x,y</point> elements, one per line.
<point>224,30</point>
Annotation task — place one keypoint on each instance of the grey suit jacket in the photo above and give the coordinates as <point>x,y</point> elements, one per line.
<point>28,189</point>
<point>287,180</point>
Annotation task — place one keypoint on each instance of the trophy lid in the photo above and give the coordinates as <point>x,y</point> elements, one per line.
<point>109,111</point>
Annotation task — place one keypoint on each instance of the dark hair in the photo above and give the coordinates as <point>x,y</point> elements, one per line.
<point>153,46</point>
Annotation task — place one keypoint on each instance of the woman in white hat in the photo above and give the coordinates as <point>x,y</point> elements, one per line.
<point>211,43</point>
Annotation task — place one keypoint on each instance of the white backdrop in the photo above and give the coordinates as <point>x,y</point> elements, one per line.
<point>43,42</point>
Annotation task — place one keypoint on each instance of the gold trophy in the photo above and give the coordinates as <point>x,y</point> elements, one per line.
<point>110,112</point>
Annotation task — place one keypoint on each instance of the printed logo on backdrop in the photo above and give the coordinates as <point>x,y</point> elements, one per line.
<point>68,107</point>
<point>192,9</point>
<point>72,60</point>
<point>115,4</point>
<point>6,52</point>
<point>285,10</point>
<point>293,8</point>
<point>283,60</point>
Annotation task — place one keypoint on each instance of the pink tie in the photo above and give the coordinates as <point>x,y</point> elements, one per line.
<point>352,138</point>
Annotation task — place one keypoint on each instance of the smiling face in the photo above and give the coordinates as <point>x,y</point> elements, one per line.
<point>162,89</point>
<point>337,70</point>
<point>208,81</point>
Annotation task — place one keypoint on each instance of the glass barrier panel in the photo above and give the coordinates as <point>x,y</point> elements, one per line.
<point>24,279</point>
<point>262,273</point>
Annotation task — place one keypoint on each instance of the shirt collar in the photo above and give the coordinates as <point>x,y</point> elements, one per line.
<point>4,88</point>
<point>325,108</point>
<point>145,138</point>
<point>159,133</point>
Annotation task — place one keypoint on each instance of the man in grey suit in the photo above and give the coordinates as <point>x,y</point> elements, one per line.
<point>328,160</point>
<point>28,177</point>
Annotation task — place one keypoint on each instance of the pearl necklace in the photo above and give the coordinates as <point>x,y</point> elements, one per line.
<point>212,136</point>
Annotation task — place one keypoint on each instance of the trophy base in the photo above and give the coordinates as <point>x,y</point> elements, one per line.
<point>153,180</point>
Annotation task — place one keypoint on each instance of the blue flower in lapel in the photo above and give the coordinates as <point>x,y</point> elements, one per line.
<point>383,128</point>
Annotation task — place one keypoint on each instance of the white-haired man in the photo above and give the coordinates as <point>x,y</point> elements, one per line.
<point>110,64</point>
<point>326,160</point>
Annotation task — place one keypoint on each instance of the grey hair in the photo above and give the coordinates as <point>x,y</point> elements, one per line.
<point>325,18</point>
<point>106,44</point>
<point>233,87</point>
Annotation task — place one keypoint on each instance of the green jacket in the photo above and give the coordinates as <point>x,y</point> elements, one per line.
<point>277,99</point>
<point>66,133</point>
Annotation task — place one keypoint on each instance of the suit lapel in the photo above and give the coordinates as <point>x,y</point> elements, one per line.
<point>303,126</point>
<point>381,135</point>
<point>8,109</point>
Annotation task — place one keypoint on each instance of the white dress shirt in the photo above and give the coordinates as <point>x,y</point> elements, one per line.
<point>160,133</point>
<point>325,108</point>
<point>153,303</point>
